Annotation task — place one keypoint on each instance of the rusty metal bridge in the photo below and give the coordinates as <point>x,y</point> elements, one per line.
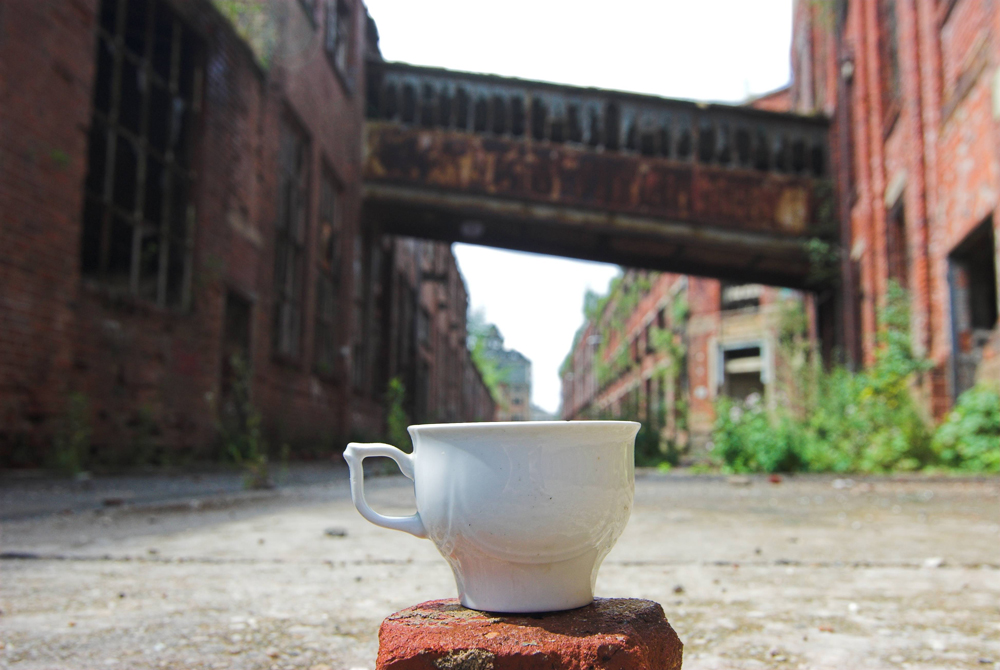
<point>714,190</point>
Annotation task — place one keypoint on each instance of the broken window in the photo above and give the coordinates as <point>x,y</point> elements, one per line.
<point>337,41</point>
<point>742,371</point>
<point>290,238</point>
<point>897,251</point>
<point>137,215</point>
<point>328,277</point>
<point>973,284</point>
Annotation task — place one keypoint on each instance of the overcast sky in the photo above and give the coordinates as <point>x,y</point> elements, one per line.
<point>718,50</point>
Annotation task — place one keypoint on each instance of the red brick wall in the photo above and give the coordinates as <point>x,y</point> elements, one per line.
<point>133,361</point>
<point>45,103</point>
<point>940,155</point>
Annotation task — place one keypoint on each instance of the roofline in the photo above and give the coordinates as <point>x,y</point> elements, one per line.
<point>695,105</point>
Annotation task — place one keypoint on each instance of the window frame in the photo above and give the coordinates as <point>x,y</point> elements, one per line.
<point>329,267</point>
<point>108,133</point>
<point>289,288</point>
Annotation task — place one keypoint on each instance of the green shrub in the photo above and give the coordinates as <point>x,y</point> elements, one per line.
<point>240,428</point>
<point>836,421</point>
<point>747,439</point>
<point>71,442</point>
<point>969,438</point>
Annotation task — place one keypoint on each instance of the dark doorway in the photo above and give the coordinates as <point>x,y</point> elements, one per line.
<point>972,281</point>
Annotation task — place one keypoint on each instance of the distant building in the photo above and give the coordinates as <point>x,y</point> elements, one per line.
<point>514,372</point>
<point>423,334</point>
<point>665,347</point>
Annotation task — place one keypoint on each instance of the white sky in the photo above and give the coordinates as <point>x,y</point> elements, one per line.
<point>720,50</point>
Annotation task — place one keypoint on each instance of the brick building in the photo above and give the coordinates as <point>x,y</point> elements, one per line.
<point>424,335</point>
<point>514,379</point>
<point>913,87</point>
<point>179,183</point>
<point>663,347</point>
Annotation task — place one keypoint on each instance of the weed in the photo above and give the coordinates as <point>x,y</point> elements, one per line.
<point>969,438</point>
<point>836,421</point>
<point>239,427</point>
<point>71,443</point>
<point>396,419</point>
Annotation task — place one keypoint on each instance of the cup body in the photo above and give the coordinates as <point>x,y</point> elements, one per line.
<point>524,512</point>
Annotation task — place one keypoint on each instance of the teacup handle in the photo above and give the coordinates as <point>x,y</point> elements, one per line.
<point>355,454</point>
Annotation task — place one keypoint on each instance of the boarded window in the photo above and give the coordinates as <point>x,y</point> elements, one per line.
<point>290,239</point>
<point>742,372</point>
<point>137,215</point>
<point>328,277</point>
<point>740,296</point>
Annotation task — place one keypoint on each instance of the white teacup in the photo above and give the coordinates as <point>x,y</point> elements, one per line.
<point>524,512</point>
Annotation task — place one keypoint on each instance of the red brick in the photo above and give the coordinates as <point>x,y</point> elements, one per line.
<point>610,634</point>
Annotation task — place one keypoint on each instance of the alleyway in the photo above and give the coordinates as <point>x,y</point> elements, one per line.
<point>808,573</point>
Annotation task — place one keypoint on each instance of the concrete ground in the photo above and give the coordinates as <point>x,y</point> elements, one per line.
<point>811,572</point>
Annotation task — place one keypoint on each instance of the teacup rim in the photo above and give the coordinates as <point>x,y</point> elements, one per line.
<point>522,424</point>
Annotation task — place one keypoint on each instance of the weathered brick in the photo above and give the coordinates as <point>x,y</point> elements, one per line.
<point>609,634</point>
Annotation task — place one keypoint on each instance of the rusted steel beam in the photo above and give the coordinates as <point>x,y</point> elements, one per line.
<point>589,235</point>
<point>707,134</point>
<point>505,168</point>
<point>712,190</point>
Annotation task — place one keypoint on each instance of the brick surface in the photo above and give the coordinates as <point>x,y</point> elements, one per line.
<point>937,155</point>
<point>152,376</point>
<point>611,633</point>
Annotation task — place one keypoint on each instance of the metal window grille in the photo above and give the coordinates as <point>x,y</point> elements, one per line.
<point>328,279</point>
<point>290,238</point>
<point>137,217</point>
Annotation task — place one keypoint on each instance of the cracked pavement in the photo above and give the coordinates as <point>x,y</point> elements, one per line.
<point>812,572</point>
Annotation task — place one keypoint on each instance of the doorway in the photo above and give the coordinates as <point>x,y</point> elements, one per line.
<point>972,282</point>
